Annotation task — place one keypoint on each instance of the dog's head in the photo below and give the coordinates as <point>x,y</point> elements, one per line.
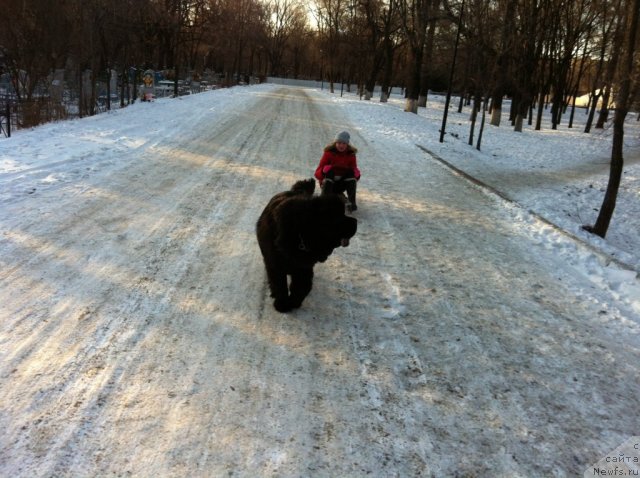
<point>328,226</point>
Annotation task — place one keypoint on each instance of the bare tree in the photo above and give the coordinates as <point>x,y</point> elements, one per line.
<point>330,17</point>
<point>286,17</point>
<point>414,15</point>
<point>609,31</point>
<point>529,41</point>
<point>479,63</point>
<point>427,57</point>
<point>35,40</point>
<point>373,12</point>
<point>574,21</point>
<point>504,59</point>
<point>391,41</point>
<point>612,64</point>
<point>302,48</point>
<point>623,98</point>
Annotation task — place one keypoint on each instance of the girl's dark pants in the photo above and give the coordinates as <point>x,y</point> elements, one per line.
<point>346,183</point>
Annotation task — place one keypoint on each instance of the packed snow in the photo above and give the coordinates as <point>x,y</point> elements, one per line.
<point>472,328</point>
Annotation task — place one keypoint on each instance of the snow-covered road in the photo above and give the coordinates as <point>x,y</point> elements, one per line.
<point>137,337</point>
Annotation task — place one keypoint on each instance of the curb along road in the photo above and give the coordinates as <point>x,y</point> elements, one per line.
<point>603,256</point>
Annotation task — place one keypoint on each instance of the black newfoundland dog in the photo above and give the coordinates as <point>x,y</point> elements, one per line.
<point>296,230</point>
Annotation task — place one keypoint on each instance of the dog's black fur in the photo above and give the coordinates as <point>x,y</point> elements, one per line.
<point>296,230</point>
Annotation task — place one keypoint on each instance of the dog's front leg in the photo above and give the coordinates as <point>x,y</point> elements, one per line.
<point>301,283</point>
<point>279,289</point>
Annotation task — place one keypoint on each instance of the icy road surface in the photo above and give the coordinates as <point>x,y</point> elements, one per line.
<point>137,337</point>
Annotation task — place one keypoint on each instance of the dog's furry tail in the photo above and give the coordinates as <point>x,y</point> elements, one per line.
<point>304,186</point>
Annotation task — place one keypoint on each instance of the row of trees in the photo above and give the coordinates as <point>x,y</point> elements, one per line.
<point>537,52</point>
<point>532,50</point>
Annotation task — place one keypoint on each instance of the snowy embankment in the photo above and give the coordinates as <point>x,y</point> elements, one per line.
<point>458,334</point>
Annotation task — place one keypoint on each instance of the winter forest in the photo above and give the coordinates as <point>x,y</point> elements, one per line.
<point>539,52</point>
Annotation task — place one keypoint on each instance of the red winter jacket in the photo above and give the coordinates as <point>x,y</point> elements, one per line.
<point>339,163</point>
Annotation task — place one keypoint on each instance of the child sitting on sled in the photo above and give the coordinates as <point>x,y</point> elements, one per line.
<point>338,170</point>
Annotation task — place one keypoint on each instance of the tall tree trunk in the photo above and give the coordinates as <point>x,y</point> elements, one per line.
<point>622,107</point>
<point>604,111</point>
<point>541,97</point>
<point>503,64</point>
<point>484,114</point>
<point>576,88</point>
<point>477,100</point>
<point>427,59</point>
<point>593,105</point>
<point>453,67</point>
<point>388,70</point>
<point>609,75</point>
<point>411,104</point>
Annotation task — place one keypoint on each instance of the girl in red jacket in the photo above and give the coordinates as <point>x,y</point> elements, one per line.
<point>338,170</point>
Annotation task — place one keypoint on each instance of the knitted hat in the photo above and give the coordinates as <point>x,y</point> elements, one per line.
<point>343,137</point>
